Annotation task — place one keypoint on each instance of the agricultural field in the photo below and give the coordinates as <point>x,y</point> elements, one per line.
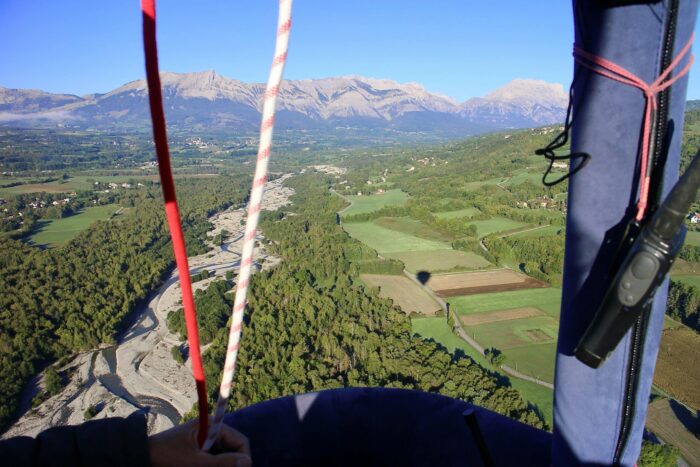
<point>677,372</point>
<point>523,324</point>
<point>468,283</point>
<point>391,241</point>
<point>676,425</point>
<point>528,343</point>
<point>412,227</point>
<point>404,292</point>
<point>55,232</point>
<point>467,212</point>
<point>689,279</point>
<point>495,225</point>
<point>539,231</point>
<point>546,299</point>
<point>522,177</point>
<point>439,260</point>
<point>365,204</point>
<point>438,330</point>
<point>693,238</point>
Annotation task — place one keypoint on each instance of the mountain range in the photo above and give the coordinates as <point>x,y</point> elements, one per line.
<point>209,100</point>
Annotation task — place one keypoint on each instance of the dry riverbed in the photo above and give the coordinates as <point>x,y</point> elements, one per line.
<point>140,372</point>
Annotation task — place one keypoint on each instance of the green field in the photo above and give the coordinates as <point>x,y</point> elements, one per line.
<point>57,231</point>
<point>439,260</point>
<point>543,231</point>
<point>670,323</point>
<point>547,300</point>
<point>365,204</point>
<point>495,224</point>
<point>467,212</point>
<point>438,330</point>
<point>534,360</point>
<point>411,227</point>
<point>505,335</point>
<point>693,280</point>
<point>693,238</point>
<point>534,178</point>
<point>390,241</point>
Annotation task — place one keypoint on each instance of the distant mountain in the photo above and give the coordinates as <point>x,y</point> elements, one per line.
<point>521,103</point>
<point>206,99</point>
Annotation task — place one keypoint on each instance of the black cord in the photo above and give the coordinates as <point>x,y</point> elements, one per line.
<point>560,140</point>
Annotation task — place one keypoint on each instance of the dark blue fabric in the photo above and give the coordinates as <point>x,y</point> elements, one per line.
<point>382,427</point>
<point>607,123</point>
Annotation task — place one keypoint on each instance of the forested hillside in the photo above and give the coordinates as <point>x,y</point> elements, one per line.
<point>60,301</point>
<point>312,325</point>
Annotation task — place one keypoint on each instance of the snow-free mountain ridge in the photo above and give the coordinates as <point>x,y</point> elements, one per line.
<point>211,100</point>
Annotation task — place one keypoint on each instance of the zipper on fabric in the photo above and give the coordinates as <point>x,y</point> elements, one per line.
<point>659,145</point>
<point>663,99</point>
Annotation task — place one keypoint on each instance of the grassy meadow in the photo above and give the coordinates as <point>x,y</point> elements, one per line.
<point>547,300</point>
<point>368,203</point>
<point>58,231</point>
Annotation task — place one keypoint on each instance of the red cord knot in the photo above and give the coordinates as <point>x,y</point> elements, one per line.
<point>617,73</point>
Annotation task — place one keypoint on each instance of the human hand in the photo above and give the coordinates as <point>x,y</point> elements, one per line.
<point>178,446</point>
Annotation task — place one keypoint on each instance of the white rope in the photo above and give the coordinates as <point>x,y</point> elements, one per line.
<point>268,121</point>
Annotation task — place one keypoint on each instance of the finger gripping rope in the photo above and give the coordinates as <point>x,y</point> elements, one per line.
<point>284,23</point>
<point>617,73</point>
<point>148,9</point>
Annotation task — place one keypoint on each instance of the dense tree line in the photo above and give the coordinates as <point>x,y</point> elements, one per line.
<point>541,257</point>
<point>312,325</point>
<point>60,301</point>
<point>683,304</point>
<point>213,307</point>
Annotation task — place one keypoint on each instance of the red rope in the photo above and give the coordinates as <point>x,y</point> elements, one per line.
<point>148,8</point>
<point>617,73</point>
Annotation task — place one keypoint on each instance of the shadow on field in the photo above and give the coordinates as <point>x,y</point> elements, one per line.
<point>423,277</point>
<point>690,421</point>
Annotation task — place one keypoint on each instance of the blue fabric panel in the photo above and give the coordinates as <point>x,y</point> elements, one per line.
<point>382,427</point>
<point>607,123</point>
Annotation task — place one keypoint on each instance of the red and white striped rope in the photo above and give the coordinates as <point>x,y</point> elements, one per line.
<point>284,23</point>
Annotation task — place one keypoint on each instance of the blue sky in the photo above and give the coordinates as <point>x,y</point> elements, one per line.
<point>458,48</point>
